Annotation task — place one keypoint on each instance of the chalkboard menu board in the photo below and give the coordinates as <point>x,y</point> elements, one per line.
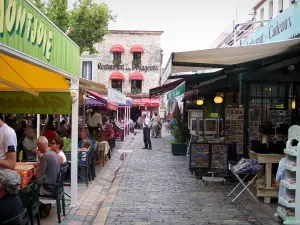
<point>219,156</point>
<point>199,156</point>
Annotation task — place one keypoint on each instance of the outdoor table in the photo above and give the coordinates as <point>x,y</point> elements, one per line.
<point>26,170</point>
<point>102,148</point>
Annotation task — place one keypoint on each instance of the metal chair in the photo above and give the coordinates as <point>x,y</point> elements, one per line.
<point>58,191</point>
<point>21,219</point>
<point>84,163</point>
<point>30,199</point>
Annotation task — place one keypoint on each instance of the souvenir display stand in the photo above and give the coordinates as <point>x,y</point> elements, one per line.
<point>289,209</point>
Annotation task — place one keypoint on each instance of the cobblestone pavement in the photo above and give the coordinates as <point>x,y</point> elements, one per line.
<point>154,187</point>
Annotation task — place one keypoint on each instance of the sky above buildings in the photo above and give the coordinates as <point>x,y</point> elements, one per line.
<point>187,24</point>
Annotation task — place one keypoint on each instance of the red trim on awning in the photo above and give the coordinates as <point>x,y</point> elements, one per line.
<point>136,76</point>
<point>112,106</point>
<point>117,48</point>
<point>97,96</point>
<point>116,76</point>
<point>136,48</point>
<point>149,102</point>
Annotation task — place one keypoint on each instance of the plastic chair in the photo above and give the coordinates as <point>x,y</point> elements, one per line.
<point>21,219</point>
<point>58,191</point>
<point>30,199</point>
<point>85,164</point>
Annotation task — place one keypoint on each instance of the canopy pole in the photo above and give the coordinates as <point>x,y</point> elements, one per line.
<point>124,122</point>
<point>83,116</point>
<point>38,125</point>
<point>74,131</point>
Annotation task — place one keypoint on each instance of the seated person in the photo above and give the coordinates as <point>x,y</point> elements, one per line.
<point>85,148</point>
<point>29,147</point>
<point>83,136</point>
<point>48,168</point>
<point>57,145</point>
<point>10,204</point>
<point>108,131</point>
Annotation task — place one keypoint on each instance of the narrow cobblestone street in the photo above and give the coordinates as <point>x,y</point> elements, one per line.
<point>154,187</point>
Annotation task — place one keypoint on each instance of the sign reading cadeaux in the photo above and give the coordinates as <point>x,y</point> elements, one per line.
<point>24,28</point>
<point>45,103</point>
<point>116,96</point>
<point>179,90</point>
<point>283,27</point>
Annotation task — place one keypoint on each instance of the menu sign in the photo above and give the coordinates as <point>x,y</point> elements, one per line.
<point>199,156</point>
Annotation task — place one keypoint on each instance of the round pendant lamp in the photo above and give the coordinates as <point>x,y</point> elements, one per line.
<point>218,99</point>
<point>200,102</point>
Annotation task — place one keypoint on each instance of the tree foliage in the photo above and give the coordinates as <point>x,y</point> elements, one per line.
<point>40,4</point>
<point>57,12</point>
<point>86,23</point>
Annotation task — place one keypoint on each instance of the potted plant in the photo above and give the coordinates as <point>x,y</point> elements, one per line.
<point>179,131</point>
<point>67,148</point>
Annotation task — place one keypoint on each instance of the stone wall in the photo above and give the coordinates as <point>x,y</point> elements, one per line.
<point>150,41</point>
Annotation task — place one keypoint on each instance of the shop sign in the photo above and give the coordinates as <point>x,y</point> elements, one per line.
<point>214,115</point>
<point>116,96</point>
<point>123,67</point>
<point>179,90</point>
<point>283,27</point>
<point>281,106</point>
<point>45,103</point>
<point>25,29</point>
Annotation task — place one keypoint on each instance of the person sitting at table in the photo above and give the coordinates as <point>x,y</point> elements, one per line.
<point>29,147</point>
<point>8,146</point>
<point>57,145</point>
<point>85,148</point>
<point>84,135</point>
<point>48,168</point>
<point>10,204</point>
<point>49,131</point>
<point>108,131</point>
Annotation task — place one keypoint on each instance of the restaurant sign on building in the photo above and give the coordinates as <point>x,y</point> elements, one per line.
<point>283,27</point>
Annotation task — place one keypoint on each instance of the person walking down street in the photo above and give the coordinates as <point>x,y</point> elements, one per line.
<point>155,127</point>
<point>146,132</point>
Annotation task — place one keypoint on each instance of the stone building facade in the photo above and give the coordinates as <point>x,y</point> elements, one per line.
<point>129,61</point>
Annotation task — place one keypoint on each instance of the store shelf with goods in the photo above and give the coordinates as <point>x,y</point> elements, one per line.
<point>284,202</point>
<point>291,162</point>
<point>282,215</point>
<point>290,167</point>
<point>290,151</point>
<point>288,185</point>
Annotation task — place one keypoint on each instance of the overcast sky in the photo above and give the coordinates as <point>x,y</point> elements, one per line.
<point>187,24</point>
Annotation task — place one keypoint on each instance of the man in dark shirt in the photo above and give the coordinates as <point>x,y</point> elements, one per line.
<point>10,204</point>
<point>49,166</point>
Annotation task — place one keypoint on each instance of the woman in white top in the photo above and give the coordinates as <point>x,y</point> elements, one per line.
<point>57,144</point>
<point>95,120</point>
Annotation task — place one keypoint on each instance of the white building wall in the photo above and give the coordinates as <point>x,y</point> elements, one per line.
<point>266,5</point>
<point>150,41</point>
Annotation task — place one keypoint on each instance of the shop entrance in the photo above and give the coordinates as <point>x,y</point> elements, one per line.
<point>135,113</point>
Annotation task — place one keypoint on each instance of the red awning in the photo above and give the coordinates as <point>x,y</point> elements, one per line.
<point>136,76</point>
<point>149,102</point>
<point>117,48</point>
<point>116,76</point>
<point>97,96</point>
<point>112,106</point>
<point>136,48</point>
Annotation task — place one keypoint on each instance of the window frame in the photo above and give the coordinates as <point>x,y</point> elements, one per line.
<point>134,86</point>
<point>85,69</point>
<point>135,58</point>
<point>117,88</point>
<point>117,57</point>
